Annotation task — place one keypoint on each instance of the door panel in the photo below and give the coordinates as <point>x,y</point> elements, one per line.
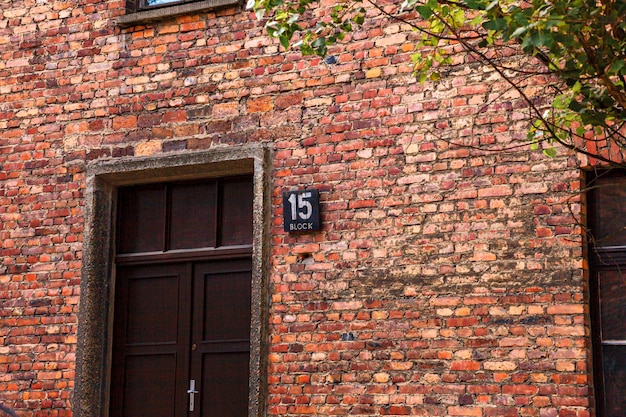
<point>193,213</point>
<point>611,287</point>
<point>142,223</point>
<point>221,335</point>
<point>149,385</point>
<point>152,316</point>
<point>150,340</point>
<point>224,389</point>
<point>235,226</point>
<point>227,316</point>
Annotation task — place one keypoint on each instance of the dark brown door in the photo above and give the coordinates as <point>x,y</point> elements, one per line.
<point>221,337</point>
<point>151,341</point>
<point>181,328</point>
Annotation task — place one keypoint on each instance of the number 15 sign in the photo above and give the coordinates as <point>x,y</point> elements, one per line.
<point>301,210</point>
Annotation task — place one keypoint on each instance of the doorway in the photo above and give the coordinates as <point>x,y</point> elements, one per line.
<point>182,299</point>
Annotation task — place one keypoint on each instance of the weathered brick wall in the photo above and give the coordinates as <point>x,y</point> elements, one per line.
<point>448,279</point>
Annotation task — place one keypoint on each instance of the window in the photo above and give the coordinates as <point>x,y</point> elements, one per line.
<point>149,3</point>
<point>141,11</point>
<point>138,5</point>
<point>607,287</point>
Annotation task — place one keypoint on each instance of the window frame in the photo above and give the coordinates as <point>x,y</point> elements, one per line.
<point>134,6</point>
<point>602,259</point>
<point>138,15</point>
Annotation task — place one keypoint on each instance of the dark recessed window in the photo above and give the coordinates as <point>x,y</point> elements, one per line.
<point>141,5</point>
<point>155,3</point>
<point>139,11</point>
<point>159,2</point>
<point>607,287</point>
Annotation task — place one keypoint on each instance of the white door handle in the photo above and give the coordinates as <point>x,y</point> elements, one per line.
<point>192,394</point>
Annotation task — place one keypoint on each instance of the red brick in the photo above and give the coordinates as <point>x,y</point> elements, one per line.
<point>124,122</point>
<point>464,366</point>
<point>175,116</point>
<point>261,104</point>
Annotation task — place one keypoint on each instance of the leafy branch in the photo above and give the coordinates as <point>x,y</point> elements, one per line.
<point>580,45</point>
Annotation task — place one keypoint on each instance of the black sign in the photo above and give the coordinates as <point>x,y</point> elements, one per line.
<point>301,210</point>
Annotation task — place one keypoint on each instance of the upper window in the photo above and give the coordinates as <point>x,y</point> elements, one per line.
<point>159,2</point>
<point>607,286</point>
<point>138,5</point>
<point>139,11</point>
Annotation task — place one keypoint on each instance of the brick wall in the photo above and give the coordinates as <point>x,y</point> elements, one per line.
<point>448,279</point>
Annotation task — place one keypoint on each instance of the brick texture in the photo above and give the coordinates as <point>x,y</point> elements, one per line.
<point>448,278</point>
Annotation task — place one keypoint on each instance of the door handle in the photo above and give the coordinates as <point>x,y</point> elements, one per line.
<point>192,394</point>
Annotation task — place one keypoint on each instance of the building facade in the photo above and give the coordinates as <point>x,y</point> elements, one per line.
<point>145,268</point>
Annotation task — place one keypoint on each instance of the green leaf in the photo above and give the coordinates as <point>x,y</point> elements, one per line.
<point>424,11</point>
<point>550,152</point>
<point>473,4</point>
<point>519,31</point>
<point>284,41</point>
<point>617,66</point>
<point>497,24</point>
<point>477,20</point>
<point>458,17</point>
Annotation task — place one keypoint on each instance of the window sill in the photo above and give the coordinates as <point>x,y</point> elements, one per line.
<point>170,11</point>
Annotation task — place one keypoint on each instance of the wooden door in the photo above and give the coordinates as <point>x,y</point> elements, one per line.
<point>151,341</point>
<point>181,328</point>
<point>221,337</point>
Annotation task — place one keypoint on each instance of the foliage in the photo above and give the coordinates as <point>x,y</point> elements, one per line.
<point>579,43</point>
